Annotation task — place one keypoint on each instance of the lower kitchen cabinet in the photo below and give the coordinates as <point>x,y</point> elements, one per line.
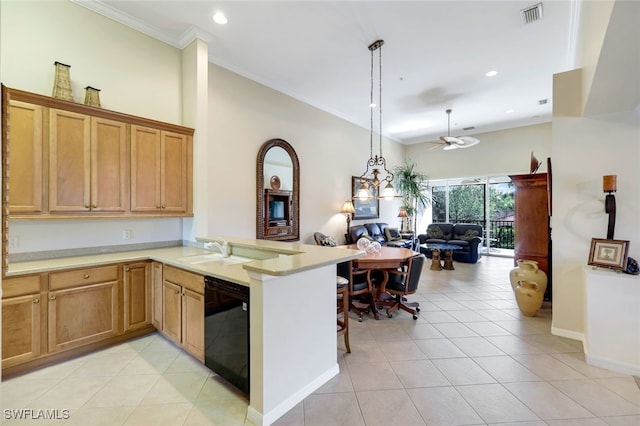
<point>156,295</point>
<point>172,311</point>
<point>183,309</point>
<point>137,295</point>
<point>193,322</point>
<point>22,319</point>
<point>49,316</point>
<point>83,307</point>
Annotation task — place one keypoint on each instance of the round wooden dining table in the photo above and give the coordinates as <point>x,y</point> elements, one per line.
<point>388,258</point>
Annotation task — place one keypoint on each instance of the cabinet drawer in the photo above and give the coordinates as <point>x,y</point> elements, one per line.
<point>184,278</point>
<point>60,280</point>
<point>20,286</point>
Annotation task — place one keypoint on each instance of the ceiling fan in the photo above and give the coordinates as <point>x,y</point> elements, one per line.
<point>454,142</point>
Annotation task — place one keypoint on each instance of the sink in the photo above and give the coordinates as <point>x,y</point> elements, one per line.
<point>214,257</point>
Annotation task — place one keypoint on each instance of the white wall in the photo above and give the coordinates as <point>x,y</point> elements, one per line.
<point>585,148</point>
<point>101,53</point>
<point>244,115</point>
<point>499,153</point>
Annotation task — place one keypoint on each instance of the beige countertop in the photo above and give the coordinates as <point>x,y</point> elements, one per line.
<point>269,257</point>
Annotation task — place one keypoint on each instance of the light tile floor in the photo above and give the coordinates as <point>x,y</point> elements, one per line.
<point>470,358</point>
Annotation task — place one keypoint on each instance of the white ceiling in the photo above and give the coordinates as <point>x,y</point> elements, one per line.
<point>435,56</point>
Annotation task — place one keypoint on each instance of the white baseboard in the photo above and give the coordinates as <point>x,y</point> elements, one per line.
<point>569,334</point>
<point>265,419</point>
<point>620,367</point>
<point>597,361</point>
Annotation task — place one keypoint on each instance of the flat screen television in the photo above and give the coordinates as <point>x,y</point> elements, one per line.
<point>276,210</point>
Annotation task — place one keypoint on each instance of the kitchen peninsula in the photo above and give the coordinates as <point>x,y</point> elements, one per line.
<point>293,346</point>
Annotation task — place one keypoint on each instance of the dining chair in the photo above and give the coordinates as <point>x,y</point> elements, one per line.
<point>402,283</point>
<point>342,309</point>
<point>361,289</point>
<point>342,291</point>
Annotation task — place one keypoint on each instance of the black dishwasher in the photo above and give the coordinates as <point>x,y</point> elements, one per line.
<point>226,331</point>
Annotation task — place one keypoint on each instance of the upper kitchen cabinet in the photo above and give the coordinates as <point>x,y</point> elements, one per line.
<point>67,160</point>
<point>160,171</point>
<point>87,163</point>
<point>26,147</point>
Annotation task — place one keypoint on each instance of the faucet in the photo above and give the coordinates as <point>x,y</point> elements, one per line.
<point>223,248</point>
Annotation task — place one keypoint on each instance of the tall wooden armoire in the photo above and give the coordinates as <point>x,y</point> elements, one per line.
<point>532,229</point>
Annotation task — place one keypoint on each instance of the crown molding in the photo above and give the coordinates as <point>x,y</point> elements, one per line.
<point>108,11</point>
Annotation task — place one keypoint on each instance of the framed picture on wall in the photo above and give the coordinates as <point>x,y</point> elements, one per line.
<point>366,208</point>
<point>610,254</point>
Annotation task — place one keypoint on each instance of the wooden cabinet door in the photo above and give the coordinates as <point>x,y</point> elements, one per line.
<point>531,219</point>
<point>137,295</point>
<point>25,157</point>
<point>172,311</point>
<point>109,180</point>
<point>82,315</point>
<point>145,170</point>
<point>69,161</point>
<point>173,173</point>
<point>156,295</point>
<point>21,337</point>
<point>193,323</point>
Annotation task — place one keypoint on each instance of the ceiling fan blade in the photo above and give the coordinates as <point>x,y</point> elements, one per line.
<point>451,146</point>
<point>451,140</point>
<point>468,141</point>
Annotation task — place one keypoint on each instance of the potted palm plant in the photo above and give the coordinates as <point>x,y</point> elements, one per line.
<point>413,187</point>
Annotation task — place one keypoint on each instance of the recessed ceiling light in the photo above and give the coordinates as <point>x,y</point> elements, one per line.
<point>492,73</point>
<point>219,18</point>
<point>509,111</point>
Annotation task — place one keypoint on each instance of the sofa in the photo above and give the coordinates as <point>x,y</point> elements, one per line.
<point>467,236</point>
<point>380,232</point>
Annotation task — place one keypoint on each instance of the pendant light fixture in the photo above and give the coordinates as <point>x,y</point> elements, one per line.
<point>376,173</point>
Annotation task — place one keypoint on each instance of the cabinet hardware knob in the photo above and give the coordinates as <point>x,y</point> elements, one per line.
<point>36,300</point>
<point>52,297</point>
<point>94,206</point>
<point>157,207</point>
<point>177,291</point>
<point>127,270</point>
<point>86,206</point>
<point>86,276</point>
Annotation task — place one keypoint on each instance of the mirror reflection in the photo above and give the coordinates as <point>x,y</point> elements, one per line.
<point>277,196</point>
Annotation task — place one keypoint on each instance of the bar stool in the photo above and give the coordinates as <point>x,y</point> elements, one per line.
<point>342,287</point>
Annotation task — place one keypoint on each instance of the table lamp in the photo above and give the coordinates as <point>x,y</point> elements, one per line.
<point>402,214</point>
<point>609,185</point>
<point>348,210</point>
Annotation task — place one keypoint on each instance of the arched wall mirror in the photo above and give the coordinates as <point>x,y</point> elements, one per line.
<point>277,192</point>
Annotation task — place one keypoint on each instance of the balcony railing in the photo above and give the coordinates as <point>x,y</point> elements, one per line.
<point>501,232</point>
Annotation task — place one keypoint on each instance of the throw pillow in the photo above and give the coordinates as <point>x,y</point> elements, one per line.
<point>366,235</point>
<point>435,232</point>
<point>392,234</point>
<point>470,234</point>
<point>328,241</point>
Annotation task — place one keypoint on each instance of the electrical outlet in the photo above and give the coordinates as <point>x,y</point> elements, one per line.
<point>14,242</point>
<point>126,234</point>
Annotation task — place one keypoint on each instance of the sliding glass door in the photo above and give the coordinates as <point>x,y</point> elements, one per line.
<point>486,201</point>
